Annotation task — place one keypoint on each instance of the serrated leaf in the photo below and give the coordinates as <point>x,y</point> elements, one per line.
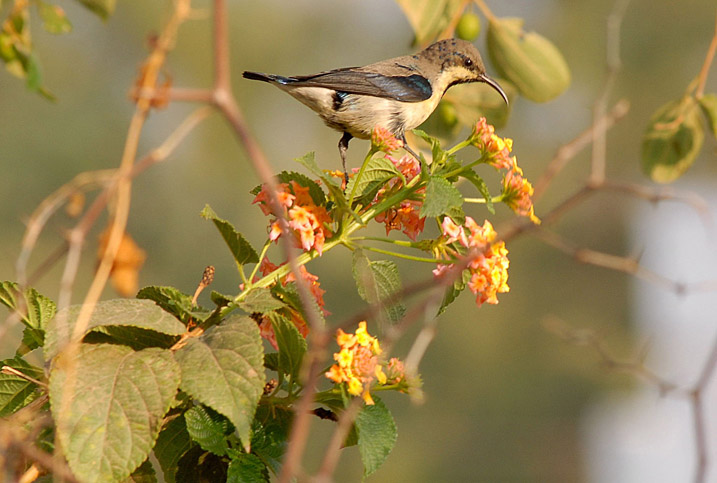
<point>454,291</point>
<point>292,345</point>
<point>54,19</point>
<point>31,339</point>
<point>315,191</point>
<point>270,434</point>
<point>441,197</point>
<point>708,103</point>
<point>378,170</point>
<point>208,429</point>
<point>672,140</point>
<point>429,18</point>
<point>174,301</point>
<point>376,435</point>
<point>123,312</point>
<point>116,400</point>
<point>143,474</point>
<point>260,299</point>
<point>289,294</point>
<point>173,441</point>
<point>378,281</point>
<point>36,309</point>
<point>16,392</point>
<point>102,8</point>
<point>528,60</point>
<point>247,468</point>
<point>437,153</point>
<point>482,188</point>
<point>241,249</point>
<point>223,369</point>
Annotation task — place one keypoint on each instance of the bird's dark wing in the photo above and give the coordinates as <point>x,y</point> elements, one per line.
<point>410,88</point>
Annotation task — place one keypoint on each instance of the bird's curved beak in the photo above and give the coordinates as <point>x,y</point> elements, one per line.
<point>494,85</point>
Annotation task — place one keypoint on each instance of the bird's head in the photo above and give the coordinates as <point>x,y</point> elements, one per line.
<point>455,61</point>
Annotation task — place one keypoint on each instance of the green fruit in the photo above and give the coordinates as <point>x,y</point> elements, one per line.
<point>468,27</point>
<point>448,114</point>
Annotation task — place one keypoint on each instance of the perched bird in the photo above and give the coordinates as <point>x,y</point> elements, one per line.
<point>397,94</point>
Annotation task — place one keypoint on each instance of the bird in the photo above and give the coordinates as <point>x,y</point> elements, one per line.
<point>396,94</point>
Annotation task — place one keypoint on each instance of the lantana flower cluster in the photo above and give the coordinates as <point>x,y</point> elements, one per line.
<point>405,216</point>
<point>308,222</point>
<point>357,364</point>
<point>517,191</point>
<point>488,264</point>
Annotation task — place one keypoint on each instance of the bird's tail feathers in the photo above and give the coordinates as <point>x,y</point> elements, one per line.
<point>266,77</point>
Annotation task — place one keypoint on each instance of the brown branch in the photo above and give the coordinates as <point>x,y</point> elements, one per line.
<point>711,50</point>
<point>568,151</point>
<point>588,338</point>
<point>698,414</point>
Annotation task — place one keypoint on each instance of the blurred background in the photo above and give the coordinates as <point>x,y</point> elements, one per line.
<point>505,399</point>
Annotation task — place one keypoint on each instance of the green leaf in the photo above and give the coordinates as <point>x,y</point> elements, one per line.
<point>16,392</point>
<point>315,191</point>
<point>454,291</point>
<point>260,299</point>
<point>270,434</point>
<point>289,294</point>
<point>441,197</point>
<point>376,435</point>
<point>54,19</point>
<point>378,171</point>
<point>143,474</point>
<point>36,309</point>
<point>115,400</point>
<point>247,468</point>
<point>122,312</point>
<point>482,188</point>
<point>102,8</point>
<point>429,18</point>
<point>672,140</point>
<point>241,249</point>
<point>378,281</point>
<point>174,301</point>
<point>531,62</point>
<point>208,428</point>
<point>223,369</point>
<point>708,103</point>
<point>173,441</point>
<point>437,153</point>
<point>292,345</point>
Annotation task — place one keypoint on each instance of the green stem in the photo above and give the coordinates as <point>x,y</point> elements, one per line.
<point>357,178</point>
<point>401,255</point>
<point>494,199</point>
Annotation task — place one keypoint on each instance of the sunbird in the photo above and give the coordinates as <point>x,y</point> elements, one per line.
<point>396,94</point>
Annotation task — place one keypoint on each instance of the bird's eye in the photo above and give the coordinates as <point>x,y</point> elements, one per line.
<point>468,62</point>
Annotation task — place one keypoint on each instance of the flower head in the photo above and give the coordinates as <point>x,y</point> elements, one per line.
<point>517,193</point>
<point>308,222</point>
<point>383,140</point>
<point>405,216</point>
<point>487,259</point>
<point>357,362</point>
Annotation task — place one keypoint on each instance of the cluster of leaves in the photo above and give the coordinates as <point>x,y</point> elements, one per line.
<point>528,64</point>
<point>675,134</point>
<point>16,47</point>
